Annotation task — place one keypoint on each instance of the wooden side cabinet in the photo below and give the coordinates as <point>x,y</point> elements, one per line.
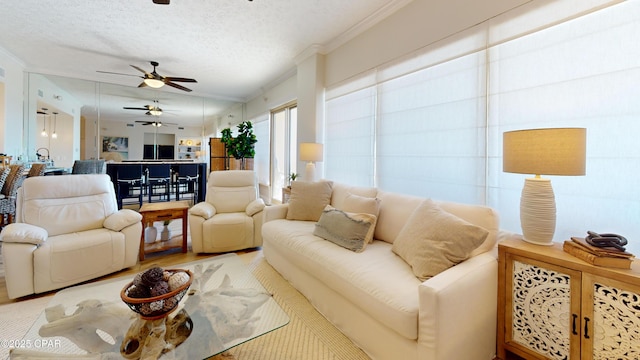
<point>552,305</point>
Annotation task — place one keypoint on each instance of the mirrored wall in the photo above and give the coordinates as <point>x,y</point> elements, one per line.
<point>68,119</point>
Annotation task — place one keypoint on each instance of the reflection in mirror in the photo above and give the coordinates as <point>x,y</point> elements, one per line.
<point>91,114</point>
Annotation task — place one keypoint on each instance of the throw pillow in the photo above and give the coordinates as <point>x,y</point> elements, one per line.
<point>351,231</point>
<point>360,204</point>
<point>434,240</point>
<point>308,199</point>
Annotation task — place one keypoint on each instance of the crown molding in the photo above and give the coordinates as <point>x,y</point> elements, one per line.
<point>365,24</point>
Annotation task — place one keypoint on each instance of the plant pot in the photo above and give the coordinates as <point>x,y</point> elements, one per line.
<point>165,235</point>
<point>150,234</point>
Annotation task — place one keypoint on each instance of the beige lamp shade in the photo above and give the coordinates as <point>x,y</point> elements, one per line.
<point>311,152</point>
<point>556,151</point>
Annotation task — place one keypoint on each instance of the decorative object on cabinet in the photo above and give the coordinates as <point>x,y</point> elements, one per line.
<point>552,305</point>
<point>188,148</point>
<point>555,151</point>
<point>241,147</point>
<point>311,153</point>
<point>611,256</point>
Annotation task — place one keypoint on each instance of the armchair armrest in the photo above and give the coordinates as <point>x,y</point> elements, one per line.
<point>24,233</point>
<point>121,219</point>
<point>275,212</point>
<point>203,210</point>
<point>255,207</point>
<point>460,303</point>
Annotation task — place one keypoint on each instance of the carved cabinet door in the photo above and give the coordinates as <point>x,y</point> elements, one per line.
<point>610,319</point>
<point>542,309</point>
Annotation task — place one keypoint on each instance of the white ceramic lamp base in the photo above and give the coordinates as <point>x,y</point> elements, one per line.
<point>310,172</point>
<point>538,211</point>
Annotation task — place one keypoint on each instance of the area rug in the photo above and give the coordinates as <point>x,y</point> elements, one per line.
<point>307,336</point>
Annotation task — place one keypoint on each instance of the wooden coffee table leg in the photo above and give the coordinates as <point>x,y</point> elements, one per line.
<point>141,252</point>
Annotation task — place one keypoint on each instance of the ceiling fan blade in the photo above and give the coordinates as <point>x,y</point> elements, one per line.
<point>180,79</point>
<point>161,2</point>
<point>139,69</point>
<point>142,84</point>
<point>177,86</point>
<point>115,73</point>
<point>135,108</point>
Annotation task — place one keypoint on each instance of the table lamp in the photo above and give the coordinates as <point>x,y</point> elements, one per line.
<point>312,153</point>
<point>555,151</point>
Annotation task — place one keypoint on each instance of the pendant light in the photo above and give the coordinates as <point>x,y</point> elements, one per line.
<point>44,122</point>
<point>55,118</point>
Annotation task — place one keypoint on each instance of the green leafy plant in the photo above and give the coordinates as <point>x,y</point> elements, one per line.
<point>292,177</point>
<point>243,145</point>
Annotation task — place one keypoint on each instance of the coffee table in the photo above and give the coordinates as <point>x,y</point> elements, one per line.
<point>226,306</point>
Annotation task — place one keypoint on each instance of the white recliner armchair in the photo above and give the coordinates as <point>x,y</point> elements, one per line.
<point>230,218</point>
<point>68,230</point>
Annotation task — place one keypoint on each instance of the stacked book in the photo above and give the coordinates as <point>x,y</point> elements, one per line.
<point>599,256</point>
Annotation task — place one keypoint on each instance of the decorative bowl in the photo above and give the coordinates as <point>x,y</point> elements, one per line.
<point>156,307</point>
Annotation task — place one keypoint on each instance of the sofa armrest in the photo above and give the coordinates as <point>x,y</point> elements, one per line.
<point>203,210</point>
<point>254,207</point>
<point>121,219</point>
<point>23,233</point>
<point>459,306</point>
<point>275,212</point>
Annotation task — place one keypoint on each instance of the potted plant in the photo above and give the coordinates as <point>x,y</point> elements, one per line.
<point>292,177</point>
<point>243,145</point>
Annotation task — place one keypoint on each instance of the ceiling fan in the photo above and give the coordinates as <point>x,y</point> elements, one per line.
<point>155,80</point>
<point>154,109</point>
<point>155,123</point>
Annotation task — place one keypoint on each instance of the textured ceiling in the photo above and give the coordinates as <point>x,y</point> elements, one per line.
<point>234,48</point>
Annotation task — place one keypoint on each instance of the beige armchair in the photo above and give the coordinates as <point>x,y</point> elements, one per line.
<point>68,230</point>
<point>230,218</point>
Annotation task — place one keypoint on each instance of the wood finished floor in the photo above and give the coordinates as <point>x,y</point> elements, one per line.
<point>164,259</point>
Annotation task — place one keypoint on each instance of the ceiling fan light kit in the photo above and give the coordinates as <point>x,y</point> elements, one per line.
<point>154,83</point>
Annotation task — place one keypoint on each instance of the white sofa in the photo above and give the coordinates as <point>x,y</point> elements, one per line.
<point>68,230</point>
<point>373,296</point>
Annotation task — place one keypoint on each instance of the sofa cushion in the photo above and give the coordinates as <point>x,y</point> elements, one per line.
<point>74,257</point>
<point>66,204</point>
<point>380,282</point>
<point>341,191</point>
<point>308,199</point>
<point>434,240</point>
<point>352,231</point>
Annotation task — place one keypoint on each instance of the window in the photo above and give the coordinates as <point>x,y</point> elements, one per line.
<point>284,153</point>
<point>435,120</point>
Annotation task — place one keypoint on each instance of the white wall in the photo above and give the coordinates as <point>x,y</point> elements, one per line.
<point>11,105</point>
<point>418,24</point>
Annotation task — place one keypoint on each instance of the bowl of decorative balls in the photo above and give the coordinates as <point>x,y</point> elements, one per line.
<point>156,292</point>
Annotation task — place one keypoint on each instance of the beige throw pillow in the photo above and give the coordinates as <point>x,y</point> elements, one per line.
<point>434,240</point>
<point>308,199</point>
<point>351,231</point>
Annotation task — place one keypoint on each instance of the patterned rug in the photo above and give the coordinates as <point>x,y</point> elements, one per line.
<point>308,336</point>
